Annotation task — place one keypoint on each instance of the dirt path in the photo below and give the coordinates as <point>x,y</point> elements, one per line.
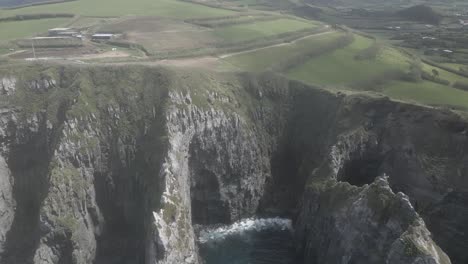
<point>107,54</point>
<point>275,45</point>
<point>13,53</point>
<point>203,62</point>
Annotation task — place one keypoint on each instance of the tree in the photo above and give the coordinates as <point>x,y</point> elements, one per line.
<point>435,73</point>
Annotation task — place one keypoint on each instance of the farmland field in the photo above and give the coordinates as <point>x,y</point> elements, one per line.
<point>85,22</point>
<point>454,66</point>
<point>109,8</point>
<point>28,28</point>
<point>254,30</point>
<point>451,77</point>
<point>341,67</point>
<point>161,34</point>
<point>428,93</point>
<point>262,59</point>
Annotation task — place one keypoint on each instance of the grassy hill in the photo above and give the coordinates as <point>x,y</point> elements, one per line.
<point>340,67</point>
<point>363,65</point>
<point>421,13</point>
<point>114,8</point>
<point>260,29</point>
<point>15,3</point>
<point>267,58</point>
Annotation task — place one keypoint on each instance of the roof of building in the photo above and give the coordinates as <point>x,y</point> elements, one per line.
<point>103,35</point>
<point>64,37</point>
<point>59,29</point>
<point>68,32</point>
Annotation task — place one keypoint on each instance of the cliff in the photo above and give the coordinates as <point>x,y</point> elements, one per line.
<point>118,164</point>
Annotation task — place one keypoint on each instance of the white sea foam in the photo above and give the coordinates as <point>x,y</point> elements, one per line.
<point>243,226</point>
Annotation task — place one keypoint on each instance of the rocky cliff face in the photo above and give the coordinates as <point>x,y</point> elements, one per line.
<point>119,164</point>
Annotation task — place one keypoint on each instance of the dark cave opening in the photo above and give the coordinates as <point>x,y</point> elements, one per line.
<point>361,170</point>
<point>207,206</point>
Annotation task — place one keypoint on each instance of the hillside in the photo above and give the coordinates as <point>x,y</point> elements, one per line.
<point>421,13</point>
<point>17,3</point>
<point>233,132</point>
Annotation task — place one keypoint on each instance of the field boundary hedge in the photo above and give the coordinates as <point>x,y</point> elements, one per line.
<point>35,17</point>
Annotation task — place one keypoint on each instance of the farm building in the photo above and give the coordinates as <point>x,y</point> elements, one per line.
<point>68,33</point>
<point>57,31</point>
<point>50,42</point>
<point>102,36</point>
<point>63,32</point>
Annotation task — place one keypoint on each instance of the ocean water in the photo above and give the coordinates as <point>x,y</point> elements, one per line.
<point>250,241</point>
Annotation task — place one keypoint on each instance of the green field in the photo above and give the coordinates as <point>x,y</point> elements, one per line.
<point>4,50</point>
<point>28,28</point>
<point>85,22</point>
<point>262,59</point>
<point>165,8</point>
<point>255,30</point>
<point>451,77</point>
<point>427,93</point>
<point>341,67</point>
<point>454,66</point>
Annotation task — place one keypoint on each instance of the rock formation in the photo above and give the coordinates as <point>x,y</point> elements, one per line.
<point>118,164</point>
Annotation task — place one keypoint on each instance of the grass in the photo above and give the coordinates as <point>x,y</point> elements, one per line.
<point>244,32</point>
<point>454,66</point>
<point>262,59</point>
<point>4,50</point>
<point>427,93</point>
<point>28,28</point>
<point>110,8</point>
<point>445,74</point>
<point>85,22</point>
<point>340,67</point>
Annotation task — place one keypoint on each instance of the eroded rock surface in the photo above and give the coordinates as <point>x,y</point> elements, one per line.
<point>118,164</point>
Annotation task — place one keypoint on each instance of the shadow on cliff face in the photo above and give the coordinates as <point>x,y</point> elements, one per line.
<point>301,149</point>
<point>285,186</point>
<point>127,195</point>
<point>29,164</point>
<point>122,240</point>
<point>447,221</point>
<point>29,167</point>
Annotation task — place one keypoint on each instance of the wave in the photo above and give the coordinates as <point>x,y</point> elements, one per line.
<point>244,226</point>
